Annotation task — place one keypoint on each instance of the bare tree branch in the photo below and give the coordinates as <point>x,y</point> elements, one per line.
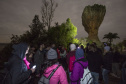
<point>47,11</point>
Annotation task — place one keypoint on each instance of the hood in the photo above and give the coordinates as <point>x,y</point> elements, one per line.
<point>20,50</point>
<point>79,53</point>
<point>48,71</point>
<point>83,61</point>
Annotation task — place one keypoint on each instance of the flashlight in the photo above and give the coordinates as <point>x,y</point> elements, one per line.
<point>34,66</point>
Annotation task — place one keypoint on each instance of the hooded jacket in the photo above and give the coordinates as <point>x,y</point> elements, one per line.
<point>59,75</point>
<point>16,66</point>
<point>78,70</point>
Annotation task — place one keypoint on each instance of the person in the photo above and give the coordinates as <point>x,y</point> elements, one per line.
<point>50,64</point>
<point>116,63</point>
<point>123,66</point>
<point>107,64</point>
<point>82,47</point>
<point>123,70</point>
<point>98,49</point>
<point>78,70</point>
<point>17,66</point>
<point>53,46</point>
<point>86,49</point>
<point>58,52</point>
<point>70,54</point>
<point>94,62</point>
<point>39,59</point>
<point>30,57</point>
<point>63,57</point>
<point>63,52</point>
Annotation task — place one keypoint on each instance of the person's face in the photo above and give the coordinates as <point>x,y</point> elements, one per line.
<point>27,51</point>
<point>63,48</point>
<point>33,48</point>
<point>30,56</point>
<point>47,48</point>
<point>42,46</point>
<point>53,45</point>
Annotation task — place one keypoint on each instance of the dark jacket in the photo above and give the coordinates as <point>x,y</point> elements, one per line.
<point>116,57</point>
<point>39,60</point>
<point>16,66</point>
<point>94,61</point>
<point>107,61</point>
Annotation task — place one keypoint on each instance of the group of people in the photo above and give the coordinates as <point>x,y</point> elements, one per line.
<point>72,63</point>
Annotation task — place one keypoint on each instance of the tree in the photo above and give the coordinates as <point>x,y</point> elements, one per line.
<point>92,18</point>
<point>110,36</point>
<point>62,34</point>
<point>36,34</point>
<point>47,11</point>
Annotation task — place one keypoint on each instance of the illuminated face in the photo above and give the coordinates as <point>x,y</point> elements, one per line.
<point>27,51</point>
<point>30,56</point>
<point>42,46</point>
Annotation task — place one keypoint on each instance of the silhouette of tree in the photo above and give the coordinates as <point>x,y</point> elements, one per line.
<point>37,33</point>
<point>110,36</point>
<point>47,12</point>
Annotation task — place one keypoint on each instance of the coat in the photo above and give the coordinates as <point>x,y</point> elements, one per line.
<point>94,61</point>
<point>78,70</point>
<point>39,60</point>
<point>17,67</point>
<point>107,61</point>
<point>58,76</point>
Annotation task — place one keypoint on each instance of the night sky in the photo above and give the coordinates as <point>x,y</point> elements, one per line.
<point>16,15</point>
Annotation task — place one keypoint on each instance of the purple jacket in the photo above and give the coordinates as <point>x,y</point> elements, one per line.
<point>78,70</point>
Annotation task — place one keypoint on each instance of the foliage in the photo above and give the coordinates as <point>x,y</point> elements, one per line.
<point>36,34</point>
<point>62,34</point>
<point>92,18</point>
<point>110,36</point>
<point>5,53</point>
<point>124,43</point>
<point>83,41</point>
<point>76,41</point>
<point>47,11</point>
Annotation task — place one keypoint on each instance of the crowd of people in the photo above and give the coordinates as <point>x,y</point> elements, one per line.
<point>72,61</point>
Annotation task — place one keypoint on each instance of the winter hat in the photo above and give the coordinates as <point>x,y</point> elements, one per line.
<point>79,53</point>
<point>72,47</point>
<point>107,48</point>
<point>51,54</point>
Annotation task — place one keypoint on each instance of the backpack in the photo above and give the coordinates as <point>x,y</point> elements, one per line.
<point>44,80</point>
<point>71,62</point>
<point>87,77</point>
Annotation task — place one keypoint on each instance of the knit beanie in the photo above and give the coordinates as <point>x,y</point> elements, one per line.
<point>72,47</point>
<point>107,48</point>
<point>79,53</point>
<point>52,54</point>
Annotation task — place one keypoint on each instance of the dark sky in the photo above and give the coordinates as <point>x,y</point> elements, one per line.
<point>16,15</point>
